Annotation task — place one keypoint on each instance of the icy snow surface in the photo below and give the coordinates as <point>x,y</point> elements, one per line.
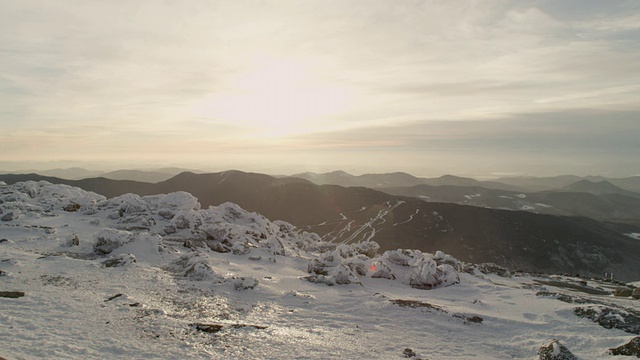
<point>158,277</point>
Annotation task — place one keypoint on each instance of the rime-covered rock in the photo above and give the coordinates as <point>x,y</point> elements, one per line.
<point>244,283</point>
<point>119,260</point>
<point>632,348</point>
<point>195,266</point>
<point>108,240</point>
<point>555,351</point>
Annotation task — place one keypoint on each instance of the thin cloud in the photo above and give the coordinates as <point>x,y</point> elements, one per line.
<point>150,70</point>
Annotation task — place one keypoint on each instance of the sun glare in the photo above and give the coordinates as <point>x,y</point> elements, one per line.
<point>277,98</point>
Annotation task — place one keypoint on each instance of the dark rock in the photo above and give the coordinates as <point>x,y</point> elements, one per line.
<point>109,241</point>
<point>119,260</point>
<point>487,268</point>
<point>564,297</point>
<point>3,240</point>
<point>113,297</point>
<point>169,230</point>
<point>221,247</point>
<point>11,294</point>
<point>3,273</point>
<point>632,348</point>
<point>73,207</point>
<point>408,353</point>
<point>416,304</point>
<point>317,267</point>
<point>214,328</point>
<point>208,328</point>
<point>555,351</point>
<point>636,293</point>
<point>244,283</point>
<point>611,318</point>
<point>475,319</point>
<point>7,217</point>
<point>73,240</point>
<point>623,292</point>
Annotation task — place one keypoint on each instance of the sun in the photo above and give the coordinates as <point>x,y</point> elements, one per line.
<point>277,98</point>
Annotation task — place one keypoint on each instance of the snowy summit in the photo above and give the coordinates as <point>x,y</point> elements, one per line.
<point>82,276</point>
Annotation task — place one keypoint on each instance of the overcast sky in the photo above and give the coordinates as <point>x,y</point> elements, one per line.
<point>429,87</point>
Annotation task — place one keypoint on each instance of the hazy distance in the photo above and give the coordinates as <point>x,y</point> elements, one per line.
<point>471,88</point>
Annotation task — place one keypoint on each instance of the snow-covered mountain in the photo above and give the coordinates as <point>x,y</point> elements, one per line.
<point>82,276</point>
<point>514,239</point>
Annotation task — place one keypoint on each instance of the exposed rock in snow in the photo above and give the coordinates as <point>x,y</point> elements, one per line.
<point>555,351</point>
<point>612,318</point>
<point>623,292</point>
<point>11,294</point>
<point>72,240</point>
<point>119,260</point>
<point>244,283</point>
<point>632,348</point>
<point>108,240</point>
<point>8,216</point>
<point>195,266</point>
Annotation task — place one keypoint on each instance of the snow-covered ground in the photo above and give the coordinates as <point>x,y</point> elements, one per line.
<point>158,277</point>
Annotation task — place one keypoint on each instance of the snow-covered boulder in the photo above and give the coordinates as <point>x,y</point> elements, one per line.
<point>427,274</point>
<point>555,351</point>
<point>120,260</point>
<point>55,196</point>
<point>195,266</point>
<point>244,283</point>
<point>346,263</point>
<point>108,240</point>
<point>632,348</point>
<point>419,270</point>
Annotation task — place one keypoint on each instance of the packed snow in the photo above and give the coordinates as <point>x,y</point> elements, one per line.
<point>85,277</point>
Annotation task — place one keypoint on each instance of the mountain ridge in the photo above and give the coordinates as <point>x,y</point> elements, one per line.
<point>511,238</point>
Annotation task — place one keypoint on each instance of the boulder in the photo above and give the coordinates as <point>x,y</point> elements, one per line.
<point>623,292</point>
<point>555,351</point>
<point>108,240</point>
<point>11,294</point>
<point>7,217</point>
<point>244,283</point>
<point>636,293</point>
<point>119,260</point>
<point>632,348</point>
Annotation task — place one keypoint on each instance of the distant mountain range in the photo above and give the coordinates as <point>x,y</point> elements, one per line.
<point>631,183</point>
<point>395,179</point>
<point>522,184</point>
<point>595,202</point>
<point>152,176</point>
<point>515,239</point>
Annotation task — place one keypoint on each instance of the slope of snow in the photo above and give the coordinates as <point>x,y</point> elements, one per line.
<point>159,277</point>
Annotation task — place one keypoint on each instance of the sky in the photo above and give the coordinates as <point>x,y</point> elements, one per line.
<point>476,88</point>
